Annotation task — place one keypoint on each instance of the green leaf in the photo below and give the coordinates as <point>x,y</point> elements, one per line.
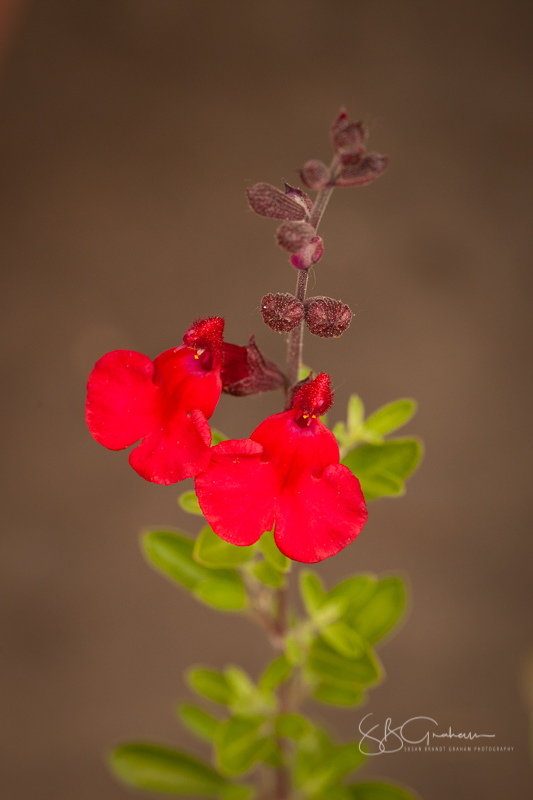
<point>294,651</point>
<point>217,437</point>
<point>239,744</point>
<point>268,575</point>
<point>381,468</point>
<point>382,610</point>
<point>356,412</point>
<point>278,671</point>
<point>224,590</point>
<point>198,721</point>
<point>237,791</point>
<point>312,591</point>
<point>379,791</point>
<point>272,554</point>
<point>336,696</point>
<point>240,682</point>
<point>344,639</point>
<point>161,769</point>
<point>303,372</point>
<point>189,503</point>
<point>171,553</point>
<point>292,726</point>
<point>346,673</point>
<point>355,592</point>
<point>212,551</point>
<point>211,684</point>
<point>340,762</point>
<point>391,417</point>
<point>311,751</point>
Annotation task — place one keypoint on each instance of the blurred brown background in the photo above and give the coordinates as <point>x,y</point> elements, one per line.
<point>129,131</point>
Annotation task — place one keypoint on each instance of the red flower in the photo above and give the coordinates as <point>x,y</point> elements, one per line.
<point>287,473</point>
<point>165,402</point>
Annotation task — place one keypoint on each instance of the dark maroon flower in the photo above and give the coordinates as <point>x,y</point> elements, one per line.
<point>286,476</point>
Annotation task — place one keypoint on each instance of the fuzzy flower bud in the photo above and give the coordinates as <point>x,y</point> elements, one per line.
<point>309,255</point>
<point>315,174</point>
<point>327,317</point>
<point>282,312</point>
<point>294,236</point>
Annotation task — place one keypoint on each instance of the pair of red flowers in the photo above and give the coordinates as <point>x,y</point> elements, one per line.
<point>287,474</point>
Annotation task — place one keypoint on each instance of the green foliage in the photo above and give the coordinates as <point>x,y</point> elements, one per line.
<point>292,726</point>
<point>214,552</point>
<point>268,575</point>
<point>332,668</point>
<point>237,791</point>
<point>312,591</point>
<point>390,417</point>
<point>320,764</point>
<point>171,553</point>
<point>344,639</point>
<point>211,684</point>
<point>382,468</point>
<point>198,721</point>
<point>273,555</point>
<point>240,743</point>
<point>278,671</point>
<point>381,612</point>
<point>338,696</point>
<point>217,437</point>
<point>189,503</point>
<point>161,769</point>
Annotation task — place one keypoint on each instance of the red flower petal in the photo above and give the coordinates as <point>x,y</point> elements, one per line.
<point>165,403</point>
<point>237,493</point>
<point>289,475</point>
<point>321,515</point>
<point>175,452</point>
<point>122,399</point>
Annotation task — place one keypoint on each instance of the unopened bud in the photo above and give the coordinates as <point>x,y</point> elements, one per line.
<point>268,201</point>
<point>315,174</point>
<point>293,236</point>
<point>327,317</point>
<point>282,312</point>
<point>347,136</point>
<point>309,255</point>
<point>360,171</point>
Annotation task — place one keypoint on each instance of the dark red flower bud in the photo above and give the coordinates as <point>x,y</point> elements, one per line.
<point>293,236</point>
<point>315,174</point>
<point>327,317</point>
<point>206,334</point>
<point>300,196</point>
<point>246,371</point>
<point>309,255</point>
<point>268,201</point>
<point>314,399</point>
<point>347,136</point>
<point>282,312</point>
<point>363,171</point>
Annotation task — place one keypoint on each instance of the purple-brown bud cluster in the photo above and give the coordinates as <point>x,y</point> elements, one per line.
<point>324,316</point>
<point>296,235</point>
<point>352,166</point>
